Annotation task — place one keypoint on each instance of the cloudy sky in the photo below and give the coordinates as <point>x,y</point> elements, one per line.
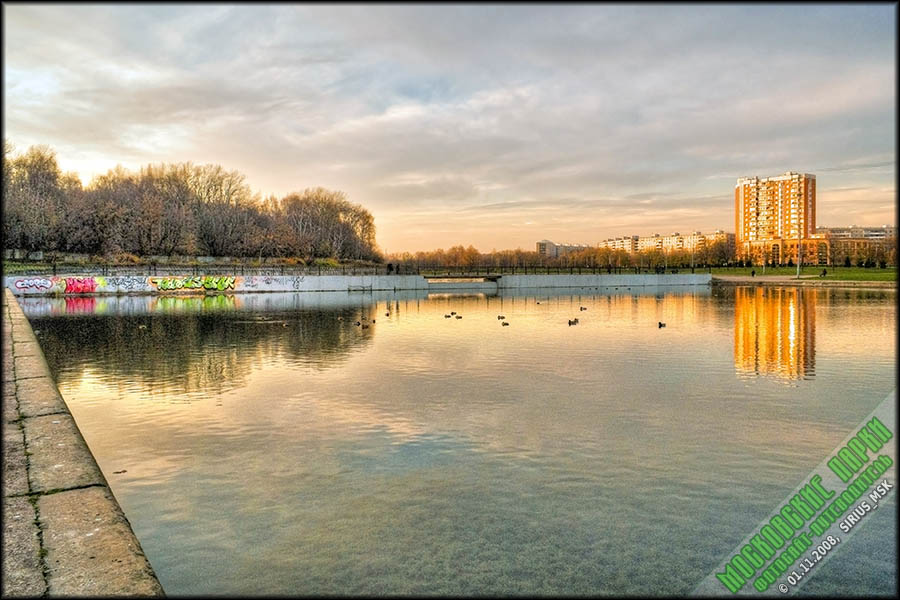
<point>495,126</point>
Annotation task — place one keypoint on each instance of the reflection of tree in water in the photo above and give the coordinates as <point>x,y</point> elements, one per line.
<point>198,353</point>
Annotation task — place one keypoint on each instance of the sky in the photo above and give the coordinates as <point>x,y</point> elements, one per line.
<point>490,125</point>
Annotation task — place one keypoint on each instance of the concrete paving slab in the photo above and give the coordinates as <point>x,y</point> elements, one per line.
<point>91,548</point>
<point>13,433</point>
<point>31,366</point>
<point>21,333</point>
<point>22,572</point>
<point>9,373</point>
<point>10,407</point>
<point>39,396</point>
<point>15,464</point>
<point>26,349</point>
<point>59,457</point>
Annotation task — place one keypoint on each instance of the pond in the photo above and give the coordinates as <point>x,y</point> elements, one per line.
<point>269,444</point>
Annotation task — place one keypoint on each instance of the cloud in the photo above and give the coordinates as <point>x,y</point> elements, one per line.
<point>587,121</point>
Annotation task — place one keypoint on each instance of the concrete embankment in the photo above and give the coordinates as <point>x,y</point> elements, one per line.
<point>807,281</point>
<point>64,532</point>
<point>564,281</point>
<point>31,285</point>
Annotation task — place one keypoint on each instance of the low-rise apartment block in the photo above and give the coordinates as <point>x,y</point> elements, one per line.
<point>693,241</point>
<point>549,249</point>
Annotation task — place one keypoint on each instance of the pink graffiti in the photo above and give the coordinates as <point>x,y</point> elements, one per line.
<point>80,285</point>
<point>38,282</point>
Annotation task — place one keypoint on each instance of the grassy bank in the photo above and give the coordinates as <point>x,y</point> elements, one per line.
<point>833,273</point>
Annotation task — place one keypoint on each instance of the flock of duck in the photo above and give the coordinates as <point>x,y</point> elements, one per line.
<point>501,318</point>
<point>505,323</point>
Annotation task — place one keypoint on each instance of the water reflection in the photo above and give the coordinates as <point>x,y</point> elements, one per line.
<point>775,331</point>
<point>425,455</point>
<point>180,348</point>
<point>46,306</point>
<point>177,357</point>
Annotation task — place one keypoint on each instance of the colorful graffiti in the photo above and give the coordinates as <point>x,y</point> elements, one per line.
<point>193,283</point>
<point>81,285</point>
<point>38,283</point>
<point>127,283</point>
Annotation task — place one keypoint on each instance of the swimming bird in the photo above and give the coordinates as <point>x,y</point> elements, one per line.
<point>387,314</point>
<point>459,316</point>
<point>452,312</point>
<point>373,320</point>
<point>582,308</point>
<point>505,323</point>
<point>358,323</point>
<point>142,327</point>
<point>365,326</point>
<point>661,324</point>
<point>500,317</point>
<point>446,316</point>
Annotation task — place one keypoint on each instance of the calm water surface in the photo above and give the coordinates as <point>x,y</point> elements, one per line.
<point>272,446</point>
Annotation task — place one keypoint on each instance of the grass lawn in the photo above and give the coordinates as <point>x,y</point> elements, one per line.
<point>834,273</point>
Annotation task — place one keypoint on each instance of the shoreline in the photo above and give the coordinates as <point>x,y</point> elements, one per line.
<point>808,281</point>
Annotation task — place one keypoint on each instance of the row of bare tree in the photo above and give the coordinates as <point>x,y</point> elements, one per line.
<point>718,253</point>
<point>173,209</point>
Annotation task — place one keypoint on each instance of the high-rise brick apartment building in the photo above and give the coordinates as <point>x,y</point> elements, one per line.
<point>771,213</point>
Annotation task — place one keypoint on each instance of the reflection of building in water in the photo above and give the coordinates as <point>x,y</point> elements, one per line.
<point>775,331</point>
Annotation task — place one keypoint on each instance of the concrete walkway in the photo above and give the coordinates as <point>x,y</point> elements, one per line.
<point>64,533</point>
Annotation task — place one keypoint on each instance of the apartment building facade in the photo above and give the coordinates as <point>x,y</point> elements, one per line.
<point>775,214</point>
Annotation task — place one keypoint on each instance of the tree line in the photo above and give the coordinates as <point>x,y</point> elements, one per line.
<point>174,209</point>
<point>716,253</point>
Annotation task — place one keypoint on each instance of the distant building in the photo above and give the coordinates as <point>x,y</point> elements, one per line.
<point>548,249</point>
<point>864,233</point>
<point>773,214</point>
<point>860,243</point>
<point>627,243</point>
<point>695,241</point>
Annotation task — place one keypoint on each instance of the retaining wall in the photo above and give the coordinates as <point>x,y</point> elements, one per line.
<point>563,281</point>
<point>28,285</point>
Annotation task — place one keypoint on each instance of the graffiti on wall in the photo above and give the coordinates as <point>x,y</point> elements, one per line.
<point>81,285</point>
<point>37,283</point>
<point>127,283</point>
<point>297,281</point>
<point>91,284</point>
<point>254,281</point>
<point>193,283</point>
